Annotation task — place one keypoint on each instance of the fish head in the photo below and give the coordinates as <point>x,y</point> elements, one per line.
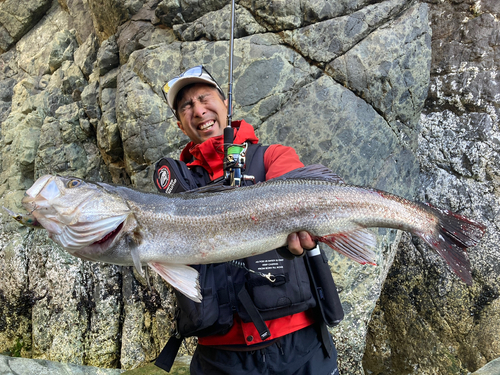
<point>76,213</point>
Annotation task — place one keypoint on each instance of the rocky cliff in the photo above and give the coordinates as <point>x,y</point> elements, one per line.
<point>450,328</point>
<point>398,94</point>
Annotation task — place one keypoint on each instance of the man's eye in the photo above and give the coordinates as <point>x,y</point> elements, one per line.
<point>185,107</point>
<point>205,98</point>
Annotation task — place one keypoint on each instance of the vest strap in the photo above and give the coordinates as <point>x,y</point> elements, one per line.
<point>167,356</point>
<point>326,340</point>
<point>254,314</point>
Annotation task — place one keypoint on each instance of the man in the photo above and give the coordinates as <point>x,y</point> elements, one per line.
<point>245,323</point>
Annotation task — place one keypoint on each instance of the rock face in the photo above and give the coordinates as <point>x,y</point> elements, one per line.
<point>351,84</point>
<point>11,365</point>
<point>17,18</point>
<point>459,159</point>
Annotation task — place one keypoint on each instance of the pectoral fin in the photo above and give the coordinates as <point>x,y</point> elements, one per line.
<point>354,245</point>
<point>137,260</point>
<point>181,277</point>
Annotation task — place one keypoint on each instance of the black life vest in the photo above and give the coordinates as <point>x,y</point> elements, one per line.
<point>228,289</point>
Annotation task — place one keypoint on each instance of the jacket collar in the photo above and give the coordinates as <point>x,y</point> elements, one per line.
<point>210,154</point>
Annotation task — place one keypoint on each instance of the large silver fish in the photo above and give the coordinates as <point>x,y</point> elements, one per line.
<point>114,224</point>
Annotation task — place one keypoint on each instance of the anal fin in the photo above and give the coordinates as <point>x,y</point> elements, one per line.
<point>181,277</point>
<point>355,245</point>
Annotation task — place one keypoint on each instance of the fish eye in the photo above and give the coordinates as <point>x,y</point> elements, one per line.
<point>74,183</point>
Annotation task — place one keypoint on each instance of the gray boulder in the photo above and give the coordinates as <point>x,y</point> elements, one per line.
<point>86,55</point>
<point>79,19</point>
<point>12,365</point>
<point>107,16</point>
<point>17,17</point>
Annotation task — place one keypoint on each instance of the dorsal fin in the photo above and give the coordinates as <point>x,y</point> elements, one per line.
<point>212,188</point>
<point>312,172</point>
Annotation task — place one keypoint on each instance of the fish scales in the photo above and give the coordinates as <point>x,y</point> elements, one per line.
<point>119,225</point>
<point>232,228</point>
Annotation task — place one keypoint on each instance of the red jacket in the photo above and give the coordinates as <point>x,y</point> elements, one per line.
<point>278,160</point>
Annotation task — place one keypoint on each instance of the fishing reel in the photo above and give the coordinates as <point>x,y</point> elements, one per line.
<point>234,158</point>
<point>234,164</point>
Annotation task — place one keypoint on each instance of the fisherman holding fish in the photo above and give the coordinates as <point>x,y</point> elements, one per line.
<point>246,323</point>
<point>257,301</point>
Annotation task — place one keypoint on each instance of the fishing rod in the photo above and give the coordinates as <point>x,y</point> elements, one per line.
<point>234,155</point>
<point>230,78</point>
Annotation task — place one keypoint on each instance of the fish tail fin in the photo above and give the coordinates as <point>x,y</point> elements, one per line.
<point>453,235</point>
<point>354,245</point>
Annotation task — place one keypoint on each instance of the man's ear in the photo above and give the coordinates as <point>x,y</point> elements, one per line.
<point>179,124</point>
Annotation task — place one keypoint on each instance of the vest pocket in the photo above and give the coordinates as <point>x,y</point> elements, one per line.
<point>290,293</point>
<point>208,317</point>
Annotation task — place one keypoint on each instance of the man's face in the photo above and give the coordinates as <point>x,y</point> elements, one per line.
<point>202,113</point>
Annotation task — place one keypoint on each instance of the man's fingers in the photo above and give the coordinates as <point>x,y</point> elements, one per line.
<point>293,243</point>
<point>306,242</point>
<point>300,241</point>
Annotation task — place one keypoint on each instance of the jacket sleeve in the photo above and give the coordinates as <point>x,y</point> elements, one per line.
<point>279,159</point>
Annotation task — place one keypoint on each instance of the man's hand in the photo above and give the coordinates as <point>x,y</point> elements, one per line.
<point>300,241</point>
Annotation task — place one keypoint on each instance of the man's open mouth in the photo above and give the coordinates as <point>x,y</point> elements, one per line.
<point>206,125</point>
